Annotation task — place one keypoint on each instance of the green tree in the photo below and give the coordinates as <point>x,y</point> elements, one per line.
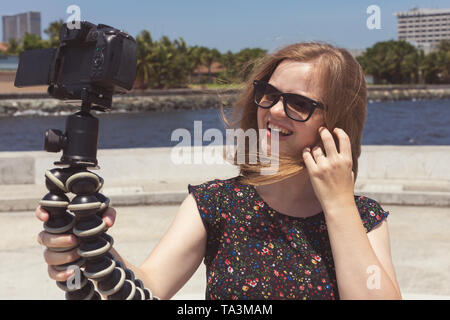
<point>246,59</point>
<point>163,63</point>
<point>208,57</point>
<point>170,64</point>
<point>144,68</point>
<point>391,62</point>
<point>33,41</point>
<point>436,64</point>
<point>53,31</point>
<point>228,61</point>
<point>14,47</point>
<point>239,65</point>
<point>194,60</point>
<point>443,60</point>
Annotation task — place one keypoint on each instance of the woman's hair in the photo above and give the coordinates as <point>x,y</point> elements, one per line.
<point>342,83</point>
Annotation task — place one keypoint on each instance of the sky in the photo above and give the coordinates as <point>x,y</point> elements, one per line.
<point>235,24</point>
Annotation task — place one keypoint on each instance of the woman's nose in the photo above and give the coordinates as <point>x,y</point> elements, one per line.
<point>277,110</point>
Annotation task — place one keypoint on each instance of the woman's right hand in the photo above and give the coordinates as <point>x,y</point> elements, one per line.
<point>65,240</point>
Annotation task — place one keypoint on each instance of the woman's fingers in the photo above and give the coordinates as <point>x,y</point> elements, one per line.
<point>57,258</point>
<point>328,142</point>
<point>308,159</point>
<point>59,275</point>
<point>109,217</point>
<point>56,240</point>
<point>41,214</point>
<point>345,147</point>
<point>317,153</point>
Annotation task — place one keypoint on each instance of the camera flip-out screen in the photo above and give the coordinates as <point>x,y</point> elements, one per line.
<point>34,67</point>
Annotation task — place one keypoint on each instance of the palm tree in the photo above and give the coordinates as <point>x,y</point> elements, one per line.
<point>443,61</point>
<point>208,57</point>
<point>246,59</point>
<point>53,31</point>
<point>391,61</point>
<point>228,61</point>
<point>144,43</point>
<point>193,60</point>
<point>14,47</point>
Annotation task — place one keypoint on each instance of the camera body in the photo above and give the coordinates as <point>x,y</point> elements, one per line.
<point>90,64</point>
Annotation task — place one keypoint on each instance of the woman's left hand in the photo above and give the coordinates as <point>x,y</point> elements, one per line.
<point>331,172</point>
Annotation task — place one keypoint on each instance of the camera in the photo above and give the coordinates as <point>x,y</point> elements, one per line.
<point>91,63</point>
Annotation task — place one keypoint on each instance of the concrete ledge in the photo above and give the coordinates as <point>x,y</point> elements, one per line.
<point>26,198</point>
<point>401,175</point>
<point>438,199</point>
<point>17,170</point>
<point>153,198</point>
<point>427,164</point>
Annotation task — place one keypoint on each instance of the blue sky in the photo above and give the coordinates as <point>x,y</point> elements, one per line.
<point>235,24</point>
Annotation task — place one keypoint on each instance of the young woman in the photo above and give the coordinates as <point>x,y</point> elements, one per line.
<point>300,233</point>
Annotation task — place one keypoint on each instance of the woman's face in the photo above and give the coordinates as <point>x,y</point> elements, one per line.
<point>293,77</point>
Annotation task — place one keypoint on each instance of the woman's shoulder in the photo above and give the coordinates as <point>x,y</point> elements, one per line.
<point>371,211</point>
<point>216,185</point>
<point>213,192</point>
<point>212,197</point>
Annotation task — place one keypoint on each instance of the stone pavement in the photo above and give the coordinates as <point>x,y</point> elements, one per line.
<point>420,245</point>
<point>22,197</point>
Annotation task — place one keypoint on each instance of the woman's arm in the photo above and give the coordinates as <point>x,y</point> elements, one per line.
<point>168,267</point>
<point>362,261</point>
<point>177,255</point>
<point>354,256</point>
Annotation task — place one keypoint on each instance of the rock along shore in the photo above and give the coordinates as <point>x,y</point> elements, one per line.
<point>12,104</point>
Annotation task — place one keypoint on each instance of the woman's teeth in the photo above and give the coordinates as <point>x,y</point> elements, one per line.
<point>281,130</point>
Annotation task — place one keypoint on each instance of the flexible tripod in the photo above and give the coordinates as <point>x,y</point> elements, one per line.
<point>81,216</point>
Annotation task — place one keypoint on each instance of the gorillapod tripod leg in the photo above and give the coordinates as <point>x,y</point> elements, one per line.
<point>112,280</point>
<point>60,221</point>
<point>82,215</point>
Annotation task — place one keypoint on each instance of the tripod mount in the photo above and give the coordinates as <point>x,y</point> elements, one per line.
<point>81,215</point>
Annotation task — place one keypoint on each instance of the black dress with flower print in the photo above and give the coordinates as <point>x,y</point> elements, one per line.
<point>255,252</point>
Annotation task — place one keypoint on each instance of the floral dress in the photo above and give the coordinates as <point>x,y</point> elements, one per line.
<point>255,252</point>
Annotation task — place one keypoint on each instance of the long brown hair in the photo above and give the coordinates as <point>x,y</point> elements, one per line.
<point>344,92</point>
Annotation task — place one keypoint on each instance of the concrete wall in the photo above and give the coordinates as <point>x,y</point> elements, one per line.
<point>423,164</point>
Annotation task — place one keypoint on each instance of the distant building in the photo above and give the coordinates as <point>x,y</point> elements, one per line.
<point>15,26</point>
<point>356,52</point>
<point>3,46</point>
<point>203,75</point>
<point>424,28</point>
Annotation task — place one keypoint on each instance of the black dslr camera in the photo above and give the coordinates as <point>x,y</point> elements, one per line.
<point>90,64</point>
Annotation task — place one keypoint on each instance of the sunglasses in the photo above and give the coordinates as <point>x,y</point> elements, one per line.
<point>296,106</point>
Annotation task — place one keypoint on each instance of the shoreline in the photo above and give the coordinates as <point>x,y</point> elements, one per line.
<point>39,103</point>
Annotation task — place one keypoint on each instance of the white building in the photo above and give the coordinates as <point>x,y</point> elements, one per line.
<point>15,26</point>
<point>424,28</point>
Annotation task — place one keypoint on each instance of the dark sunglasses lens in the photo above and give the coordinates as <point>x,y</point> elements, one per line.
<point>298,107</point>
<point>265,95</point>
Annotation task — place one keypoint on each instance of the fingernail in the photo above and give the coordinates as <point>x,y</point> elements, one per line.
<point>107,221</point>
